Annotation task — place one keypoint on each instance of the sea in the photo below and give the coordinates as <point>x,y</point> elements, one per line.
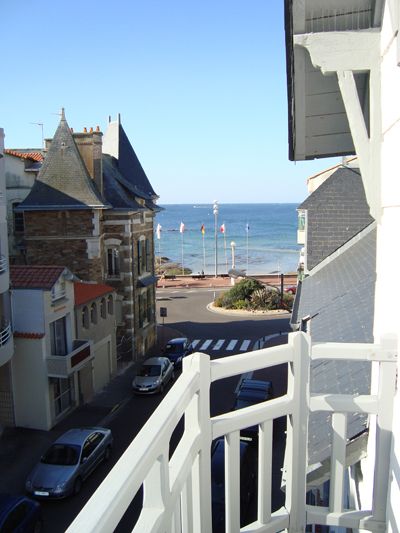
<point>258,238</point>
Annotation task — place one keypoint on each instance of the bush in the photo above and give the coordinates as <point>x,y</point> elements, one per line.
<point>244,289</point>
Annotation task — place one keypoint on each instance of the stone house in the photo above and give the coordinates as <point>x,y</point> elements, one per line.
<point>92,209</point>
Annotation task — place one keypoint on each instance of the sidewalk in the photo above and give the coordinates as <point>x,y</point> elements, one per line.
<point>220,281</point>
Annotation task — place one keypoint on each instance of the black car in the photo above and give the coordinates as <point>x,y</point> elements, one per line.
<point>177,349</point>
<point>251,392</point>
<point>19,514</point>
<point>248,482</point>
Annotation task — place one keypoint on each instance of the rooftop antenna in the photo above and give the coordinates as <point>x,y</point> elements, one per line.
<point>41,126</point>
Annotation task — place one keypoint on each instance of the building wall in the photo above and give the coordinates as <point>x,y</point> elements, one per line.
<point>61,238</point>
<point>30,384</point>
<point>103,335</point>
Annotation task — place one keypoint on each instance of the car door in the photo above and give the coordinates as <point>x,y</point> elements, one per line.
<point>90,453</point>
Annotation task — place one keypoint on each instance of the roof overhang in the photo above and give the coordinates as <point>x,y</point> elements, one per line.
<point>318,125</point>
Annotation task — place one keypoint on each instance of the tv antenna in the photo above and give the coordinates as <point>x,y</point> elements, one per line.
<point>41,126</point>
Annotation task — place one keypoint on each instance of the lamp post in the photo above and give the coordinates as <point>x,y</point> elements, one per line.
<point>215,211</point>
<point>233,244</point>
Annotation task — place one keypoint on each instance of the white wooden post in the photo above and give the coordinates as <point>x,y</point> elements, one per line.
<point>297,432</point>
<point>232,482</point>
<point>197,419</point>
<point>338,462</point>
<point>265,439</point>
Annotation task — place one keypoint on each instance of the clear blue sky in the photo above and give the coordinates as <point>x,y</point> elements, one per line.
<point>200,86</point>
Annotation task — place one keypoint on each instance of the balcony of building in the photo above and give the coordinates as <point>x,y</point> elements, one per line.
<point>176,482</point>
<point>62,366</point>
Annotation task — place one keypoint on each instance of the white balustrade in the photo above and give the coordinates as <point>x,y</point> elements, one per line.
<point>177,490</point>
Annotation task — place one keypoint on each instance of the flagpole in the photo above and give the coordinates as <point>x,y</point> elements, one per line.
<point>247,249</point>
<point>182,229</point>
<point>204,249</point>
<point>226,257</point>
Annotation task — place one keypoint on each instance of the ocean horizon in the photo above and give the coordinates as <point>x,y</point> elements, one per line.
<point>264,237</point>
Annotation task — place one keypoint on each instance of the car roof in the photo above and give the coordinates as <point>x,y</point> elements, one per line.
<point>8,501</point>
<point>178,340</point>
<point>155,361</point>
<point>78,435</point>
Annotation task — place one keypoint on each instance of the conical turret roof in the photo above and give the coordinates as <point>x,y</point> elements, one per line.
<point>63,181</point>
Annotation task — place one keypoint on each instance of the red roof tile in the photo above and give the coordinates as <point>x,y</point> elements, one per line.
<point>21,335</point>
<point>34,277</point>
<point>85,292</point>
<point>34,156</point>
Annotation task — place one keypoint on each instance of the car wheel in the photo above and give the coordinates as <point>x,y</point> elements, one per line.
<point>107,453</point>
<point>77,485</point>
<point>38,527</point>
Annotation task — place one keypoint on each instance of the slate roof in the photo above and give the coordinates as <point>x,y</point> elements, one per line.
<point>86,292</point>
<point>63,181</point>
<point>34,277</point>
<point>117,144</point>
<point>336,211</point>
<point>341,296</point>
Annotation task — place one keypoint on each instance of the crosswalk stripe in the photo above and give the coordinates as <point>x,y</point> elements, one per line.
<point>205,344</point>
<point>232,344</point>
<point>195,343</point>
<point>245,344</point>
<point>218,344</point>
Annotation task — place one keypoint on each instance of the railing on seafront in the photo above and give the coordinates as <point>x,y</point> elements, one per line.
<point>177,490</point>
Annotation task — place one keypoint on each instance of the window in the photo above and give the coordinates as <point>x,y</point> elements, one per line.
<point>145,308</point>
<point>58,337</point>
<point>63,394</point>
<point>148,256</point>
<point>85,317</point>
<point>113,263</point>
<point>103,308</point>
<point>93,313</point>
<point>18,219</point>
<point>91,444</point>
<point>142,259</point>
<point>110,305</point>
<point>58,291</point>
<point>301,220</point>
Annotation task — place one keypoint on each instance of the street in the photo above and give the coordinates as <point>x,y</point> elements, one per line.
<point>216,334</point>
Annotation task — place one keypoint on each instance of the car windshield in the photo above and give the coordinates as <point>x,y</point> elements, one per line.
<point>61,454</point>
<point>150,370</point>
<point>173,348</point>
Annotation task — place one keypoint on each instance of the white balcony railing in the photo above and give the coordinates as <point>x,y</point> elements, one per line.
<point>62,366</point>
<point>3,264</point>
<point>177,490</point>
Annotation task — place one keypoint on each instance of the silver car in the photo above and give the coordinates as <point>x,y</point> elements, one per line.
<point>68,462</point>
<point>153,375</point>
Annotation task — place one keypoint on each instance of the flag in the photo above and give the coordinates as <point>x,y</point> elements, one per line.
<point>158,231</point>
<point>203,229</point>
<point>222,228</point>
<point>247,228</point>
<point>182,227</point>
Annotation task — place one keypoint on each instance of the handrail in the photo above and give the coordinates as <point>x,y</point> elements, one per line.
<point>177,489</point>
<point>5,334</point>
<point>3,264</point>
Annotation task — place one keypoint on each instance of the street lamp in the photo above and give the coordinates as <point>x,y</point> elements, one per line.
<point>233,244</point>
<point>215,211</point>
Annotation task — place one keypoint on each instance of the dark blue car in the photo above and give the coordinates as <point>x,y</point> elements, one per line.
<point>19,514</point>
<point>248,482</point>
<point>177,349</point>
<point>251,392</point>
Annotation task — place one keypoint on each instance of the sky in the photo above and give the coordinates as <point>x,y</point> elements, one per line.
<point>200,87</point>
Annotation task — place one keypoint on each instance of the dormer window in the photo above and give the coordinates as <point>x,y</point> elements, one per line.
<point>58,291</point>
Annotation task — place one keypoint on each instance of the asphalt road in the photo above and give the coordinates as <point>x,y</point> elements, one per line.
<point>187,313</point>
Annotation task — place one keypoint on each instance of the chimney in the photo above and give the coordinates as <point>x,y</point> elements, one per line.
<point>90,146</point>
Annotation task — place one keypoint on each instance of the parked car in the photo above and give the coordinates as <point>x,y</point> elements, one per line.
<point>177,349</point>
<point>153,375</point>
<point>68,462</point>
<point>248,482</point>
<point>19,514</point>
<point>291,290</point>
<point>251,392</point>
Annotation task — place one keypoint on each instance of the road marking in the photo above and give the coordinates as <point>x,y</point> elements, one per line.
<point>231,345</point>
<point>195,343</point>
<point>218,344</point>
<point>205,344</point>
<point>245,344</point>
